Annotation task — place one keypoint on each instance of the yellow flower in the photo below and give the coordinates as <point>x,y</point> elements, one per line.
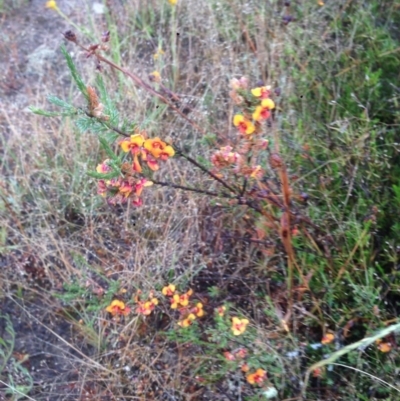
<point>132,144</point>
<point>169,290</point>
<point>262,92</point>
<point>188,321</point>
<point>244,125</point>
<point>198,310</point>
<point>155,146</point>
<point>173,2</point>
<point>175,301</point>
<point>239,326</point>
<point>52,4</point>
<point>158,53</point>
<point>182,300</point>
<point>118,308</point>
<point>155,77</point>
<point>262,112</point>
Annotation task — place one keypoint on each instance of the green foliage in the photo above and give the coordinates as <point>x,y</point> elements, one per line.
<point>74,73</point>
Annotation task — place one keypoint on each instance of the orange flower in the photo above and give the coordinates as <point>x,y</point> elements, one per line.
<point>262,92</point>
<point>125,189</point>
<point>383,346</point>
<point>245,368</point>
<point>155,146</point>
<point>133,144</point>
<point>150,160</point>
<point>262,112</point>
<point>257,377</point>
<point>198,310</point>
<point>118,308</point>
<point>167,152</point>
<point>221,310</point>
<point>328,338</point>
<point>187,321</point>
<point>145,308</point>
<point>244,125</point>
<point>141,184</point>
<point>239,326</point>
<point>169,290</point>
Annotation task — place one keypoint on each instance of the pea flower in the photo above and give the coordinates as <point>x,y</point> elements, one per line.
<point>187,321</point>
<point>133,144</point>
<point>258,377</point>
<point>244,125</point>
<point>262,92</point>
<point>145,308</point>
<point>221,310</point>
<point>181,300</point>
<point>239,326</point>
<point>158,149</point>
<point>118,308</point>
<point>263,112</point>
<point>198,310</point>
<point>169,290</point>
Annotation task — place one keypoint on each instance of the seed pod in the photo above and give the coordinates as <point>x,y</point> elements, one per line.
<point>70,35</point>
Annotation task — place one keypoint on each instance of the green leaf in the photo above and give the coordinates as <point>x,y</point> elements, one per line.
<point>110,153</point>
<point>74,72</point>
<point>103,176</point>
<point>45,113</point>
<point>109,106</point>
<point>61,103</point>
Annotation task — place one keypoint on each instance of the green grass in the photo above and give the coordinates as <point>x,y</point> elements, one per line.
<point>336,125</point>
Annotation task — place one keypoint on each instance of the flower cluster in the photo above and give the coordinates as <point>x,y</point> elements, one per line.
<point>256,105</point>
<point>149,150</point>
<point>188,312</point>
<point>118,307</point>
<point>129,183</point>
<point>145,307</point>
<point>121,189</point>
